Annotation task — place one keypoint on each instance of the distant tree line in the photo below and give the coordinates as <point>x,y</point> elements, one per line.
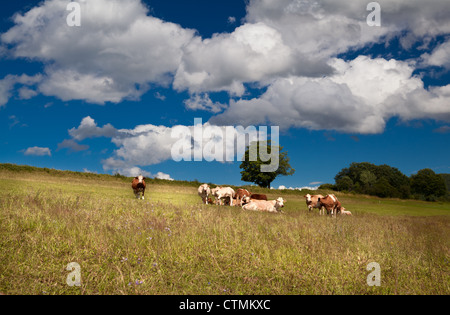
<point>386,181</point>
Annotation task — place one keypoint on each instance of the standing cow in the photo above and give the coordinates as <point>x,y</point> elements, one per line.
<point>331,203</point>
<point>138,186</point>
<point>312,201</point>
<point>204,191</point>
<point>223,192</point>
<point>240,194</point>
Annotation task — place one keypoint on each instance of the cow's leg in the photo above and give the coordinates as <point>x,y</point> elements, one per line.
<point>231,201</point>
<point>143,193</point>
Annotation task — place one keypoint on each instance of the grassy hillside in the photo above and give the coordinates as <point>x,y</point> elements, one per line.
<point>172,244</point>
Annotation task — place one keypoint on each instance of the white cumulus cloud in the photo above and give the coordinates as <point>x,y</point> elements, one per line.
<point>38,151</point>
<point>359,98</point>
<point>115,54</point>
<point>289,47</point>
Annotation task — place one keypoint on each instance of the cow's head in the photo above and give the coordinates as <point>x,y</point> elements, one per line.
<point>140,178</point>
<point>308,197</point>
<point>280,202</point>
<point>205,188</point>
<point>245,200</point>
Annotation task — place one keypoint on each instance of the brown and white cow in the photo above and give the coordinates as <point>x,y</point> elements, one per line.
<point>331,203</point>
<point>204,191</point>
<point>240,194</point>
<point>312,201</point>
<point>264,205</point>
<point>138,186</point>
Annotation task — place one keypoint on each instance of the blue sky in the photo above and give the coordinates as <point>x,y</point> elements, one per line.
<point>104,96</point>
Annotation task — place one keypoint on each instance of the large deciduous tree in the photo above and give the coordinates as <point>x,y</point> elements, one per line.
<point>252,169</point>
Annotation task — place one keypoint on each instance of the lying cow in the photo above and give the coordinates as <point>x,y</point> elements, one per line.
<point>258,197</point>
<point>138,186</point>
<point>204,191</point>
<point>312,201</point>
<point>264,205</point>
<point>223,192</point>
<point>247,199</point>
<point>240,194</point>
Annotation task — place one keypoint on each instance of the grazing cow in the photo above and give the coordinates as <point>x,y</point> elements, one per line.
<point>223,192</point>
<point>312,201</point>
<point>214,192</point>
<point>138,186</point>
<point>331,203</point>
<point>240,194</point>
<point>204,191</point>
<point>264,205</point>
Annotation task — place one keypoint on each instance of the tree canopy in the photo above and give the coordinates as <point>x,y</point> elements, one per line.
<point>429,184</point>
<point>371,179</point>
<point>252,168</point>
<point>386,181</point>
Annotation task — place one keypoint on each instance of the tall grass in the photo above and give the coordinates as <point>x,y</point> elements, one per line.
<point>172,244</point>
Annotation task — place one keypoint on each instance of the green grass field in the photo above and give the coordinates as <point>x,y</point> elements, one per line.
<point>172,244</point>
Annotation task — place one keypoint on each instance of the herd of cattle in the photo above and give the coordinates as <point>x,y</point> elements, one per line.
<point>240,197</point>
<point>258,202</point>
<point>248,201</point>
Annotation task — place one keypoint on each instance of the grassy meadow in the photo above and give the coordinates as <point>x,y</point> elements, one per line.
<point>171,243</point>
